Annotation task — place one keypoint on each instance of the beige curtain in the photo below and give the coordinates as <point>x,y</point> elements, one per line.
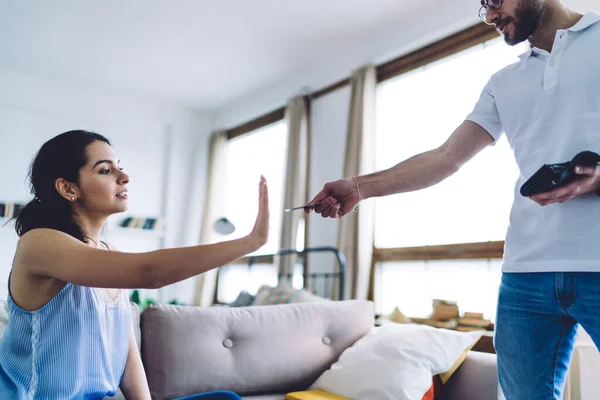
<point>296,178</point>
<point>355,238</point>
<point>217,164</point>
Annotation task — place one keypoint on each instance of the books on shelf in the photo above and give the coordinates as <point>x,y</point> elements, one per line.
<point>10,209</point>
<point>473,323</point>
<point>447,315</point>
<point>146,223</point>
<point>444,312</point>
<point>476,315</point>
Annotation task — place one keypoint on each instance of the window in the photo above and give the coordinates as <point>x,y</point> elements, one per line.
<point>411,285</point>
<point>416,112</point>
<point>262,152</point>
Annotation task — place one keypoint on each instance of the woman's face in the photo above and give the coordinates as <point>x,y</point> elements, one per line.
<point>102,183</point>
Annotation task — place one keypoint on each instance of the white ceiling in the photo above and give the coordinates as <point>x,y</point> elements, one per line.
<point>196,53</point>
<point>199,54</point>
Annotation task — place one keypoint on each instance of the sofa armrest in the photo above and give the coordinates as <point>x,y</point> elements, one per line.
<point>477,378</point>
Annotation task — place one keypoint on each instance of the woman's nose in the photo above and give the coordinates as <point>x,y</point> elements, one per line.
<point>124,178</point>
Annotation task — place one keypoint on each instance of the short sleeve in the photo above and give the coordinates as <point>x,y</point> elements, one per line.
<point>485,113</point>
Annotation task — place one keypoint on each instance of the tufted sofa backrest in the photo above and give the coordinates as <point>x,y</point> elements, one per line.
<point>261,349</point>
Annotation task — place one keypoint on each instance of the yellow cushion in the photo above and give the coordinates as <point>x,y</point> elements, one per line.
<point>313,395</point>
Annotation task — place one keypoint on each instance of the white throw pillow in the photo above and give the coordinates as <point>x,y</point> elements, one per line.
<point>395,362</point>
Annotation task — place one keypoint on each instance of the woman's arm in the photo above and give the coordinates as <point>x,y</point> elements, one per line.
<point>134,384</point>
<point>46,252</point>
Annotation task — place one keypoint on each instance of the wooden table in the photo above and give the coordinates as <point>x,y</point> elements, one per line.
<point>485,343</point>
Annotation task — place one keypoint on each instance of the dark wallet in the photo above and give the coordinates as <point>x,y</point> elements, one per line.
<point>552,176</point>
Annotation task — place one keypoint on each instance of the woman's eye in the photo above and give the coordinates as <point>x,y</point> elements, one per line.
<point>120,168</point>
<point>105,171</point>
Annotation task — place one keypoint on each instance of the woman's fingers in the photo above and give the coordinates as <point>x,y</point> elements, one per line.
<point>261,226</point>
<point>264,192</point>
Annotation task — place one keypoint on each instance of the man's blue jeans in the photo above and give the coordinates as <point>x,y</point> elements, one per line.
<point>536,325</point>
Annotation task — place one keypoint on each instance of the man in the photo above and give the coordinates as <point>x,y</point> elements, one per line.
<point>548,104</point>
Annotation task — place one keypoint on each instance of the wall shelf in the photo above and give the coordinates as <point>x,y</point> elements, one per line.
<point>135,232</point>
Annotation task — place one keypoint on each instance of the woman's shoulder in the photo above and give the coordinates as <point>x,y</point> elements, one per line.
<point>45,236</point>
<point>30,290</point>
<point>37,234</point>
<point>37,241</point>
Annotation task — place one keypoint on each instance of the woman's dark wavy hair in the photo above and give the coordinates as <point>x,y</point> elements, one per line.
<point>60,157</point>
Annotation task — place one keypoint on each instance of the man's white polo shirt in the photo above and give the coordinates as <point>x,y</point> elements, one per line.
<point>548,105</point>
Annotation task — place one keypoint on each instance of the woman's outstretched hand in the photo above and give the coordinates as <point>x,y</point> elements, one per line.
<point>260,232</point>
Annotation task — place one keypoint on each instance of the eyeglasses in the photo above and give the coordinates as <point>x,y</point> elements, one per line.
<point>492,5</point>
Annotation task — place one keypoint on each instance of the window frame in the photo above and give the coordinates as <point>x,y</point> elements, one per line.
<point>467,39</point>
<point>490,250</point>
<point>438,50</point>
<point>248,129</point>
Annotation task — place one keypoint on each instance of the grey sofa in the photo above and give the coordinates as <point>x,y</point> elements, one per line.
<point>264,352</point>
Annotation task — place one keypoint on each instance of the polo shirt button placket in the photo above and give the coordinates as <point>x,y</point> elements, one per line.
<point>554,60</point>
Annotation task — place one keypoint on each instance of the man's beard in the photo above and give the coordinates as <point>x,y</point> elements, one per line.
<point>526,21</point>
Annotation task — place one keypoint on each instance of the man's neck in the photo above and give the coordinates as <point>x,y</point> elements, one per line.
<point>555,16</point>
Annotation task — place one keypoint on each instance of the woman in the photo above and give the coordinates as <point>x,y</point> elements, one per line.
<point>70,334</point>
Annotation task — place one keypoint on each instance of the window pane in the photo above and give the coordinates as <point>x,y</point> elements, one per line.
<point>262,152</point>
<point>250,156</point>
<point>411,286</point>
<point>416,112</point>
<point>236,278</point>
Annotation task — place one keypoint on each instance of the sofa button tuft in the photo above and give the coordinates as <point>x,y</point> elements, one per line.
<point>326,340</point>
<point>228,343</point>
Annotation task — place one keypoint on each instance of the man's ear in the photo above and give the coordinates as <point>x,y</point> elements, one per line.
<point>67,189</point>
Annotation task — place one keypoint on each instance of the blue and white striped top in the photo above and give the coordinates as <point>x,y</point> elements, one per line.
<point>74,347</point>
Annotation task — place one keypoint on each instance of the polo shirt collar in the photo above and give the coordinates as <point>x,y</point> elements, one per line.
<point>588,19</point>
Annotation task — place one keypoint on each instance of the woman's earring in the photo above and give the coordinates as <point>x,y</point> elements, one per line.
<point>73,198</point>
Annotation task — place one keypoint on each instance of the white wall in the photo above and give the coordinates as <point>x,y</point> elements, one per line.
<point>156,144</point>
<point>376,48</point>
<point>329,119</point>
